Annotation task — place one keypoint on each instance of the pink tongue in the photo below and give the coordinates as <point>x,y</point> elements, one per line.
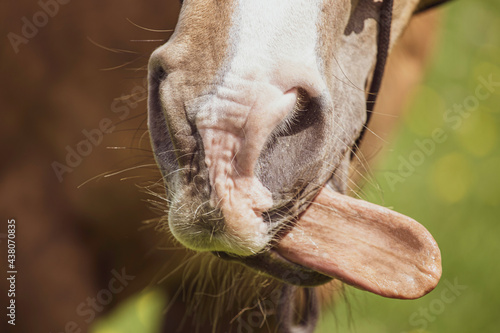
<point>367,246</point>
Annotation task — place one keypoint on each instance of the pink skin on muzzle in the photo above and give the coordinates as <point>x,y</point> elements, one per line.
<point>234,130</point>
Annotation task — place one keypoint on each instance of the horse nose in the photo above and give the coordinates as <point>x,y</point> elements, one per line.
<point>167,120</point>
<point>234,126</point>
<point>218,127</point>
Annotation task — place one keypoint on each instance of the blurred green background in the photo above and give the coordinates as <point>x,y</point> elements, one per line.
<point>455,192</point>
<point>453,188</point>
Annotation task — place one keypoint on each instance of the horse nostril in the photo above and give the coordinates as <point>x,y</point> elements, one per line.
<point>156,75</point>
<point>302,100</point>
<point>159,65</point>
<point>299,118</point>
<point>159,74</point>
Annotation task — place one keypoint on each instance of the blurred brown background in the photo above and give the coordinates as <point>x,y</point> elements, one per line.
<point>54,87</point>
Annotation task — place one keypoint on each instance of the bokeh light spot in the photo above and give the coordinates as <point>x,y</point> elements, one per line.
<point>478,133</point>
<point>425,113</point>
<point>451,177</point>
<point>145,306</point>
<point>107,330</point>
<point>489,73</point>
<point>488,183</point>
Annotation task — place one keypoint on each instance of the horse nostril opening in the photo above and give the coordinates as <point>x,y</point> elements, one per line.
<point>302,109</point>
<point>303,100</point>
<point>157,75</point>
<point>159,66</point>
<point>298,119</point>
<point>160,74</point>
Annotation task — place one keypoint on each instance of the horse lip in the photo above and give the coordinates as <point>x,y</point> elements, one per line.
<point>274,265</point>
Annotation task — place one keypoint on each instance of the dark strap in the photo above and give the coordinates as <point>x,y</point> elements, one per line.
<point>383,44</point>
<point>285,311</point>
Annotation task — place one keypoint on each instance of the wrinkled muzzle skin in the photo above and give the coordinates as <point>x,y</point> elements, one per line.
<point>254,109</point>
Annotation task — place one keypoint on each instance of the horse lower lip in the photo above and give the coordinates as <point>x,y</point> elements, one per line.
<point>274,265</point>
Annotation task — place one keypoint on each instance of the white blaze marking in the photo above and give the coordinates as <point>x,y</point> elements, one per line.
<point>276,42</point>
